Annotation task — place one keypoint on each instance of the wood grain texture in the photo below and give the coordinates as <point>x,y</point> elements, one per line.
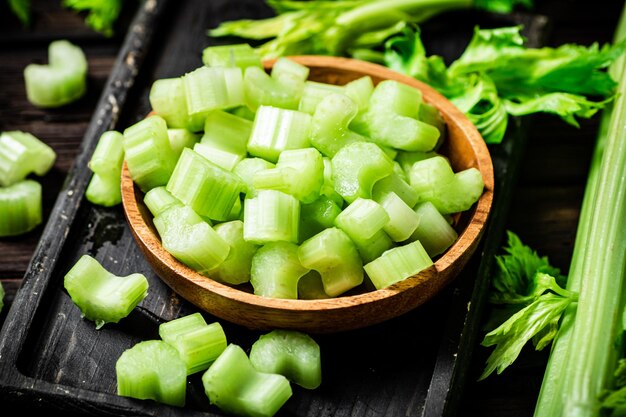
<point>464,147</point>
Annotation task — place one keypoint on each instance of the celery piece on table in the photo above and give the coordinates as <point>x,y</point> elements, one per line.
<point>167,99</point>
<point>60,82</point>
<point>299,172</point>
<point>21,154</point>
<point>397,264</point>
<point>233,385</point>
<point>20,208</point>
<point>276,129</point>
<point>317,216</point>
<point>433,230</point>
<point>240,55</point>
<point>106,162</point>
<point>356,168</point>
<point>246,168</point>
<point>335,257</point>
<point>190,239</point>
<point>101,296</point>
<point>291,353</point>
<point>206,187</point>
<point>271,216</point>
<point>152,370</point>
<point>148,153</point>
<point>197,342</point>
<point>236,267</point>
<point>276,270</point>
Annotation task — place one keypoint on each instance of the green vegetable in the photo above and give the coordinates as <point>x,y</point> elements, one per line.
<point>101,296</point>
<point>276,269</point>
<point>106,162</point>
<point>233,385</point>
<point>239,55</point>
<point>21,8</point>
<point>342,27</point>
<point>271,216</point>
<point>101,14</point>
<point>290,353</point>
<point>433,230</point>
<point>20,208</point>
<point>152,370</point>
<point>22,154</point>
<point>236,268</point>
<point>62,81</point>
<point>397,264</point>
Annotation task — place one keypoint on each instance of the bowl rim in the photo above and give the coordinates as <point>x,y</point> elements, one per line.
<point>462,249</point>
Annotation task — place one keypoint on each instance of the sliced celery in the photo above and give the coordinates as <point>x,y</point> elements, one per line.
<point>236,267</point>
<point>20,208</point>
<point>276,129</point>
<point>101,296</point>
<point>430,114</point>
<point>152,370</point>
<point>227,132</point>
<point>407,159</point>
<point>104,191</point>
<point>62,81</point>
<point>363,218</point>
<point>246,169</point>
<point>331,124</point>
<point>233,385</point>
<point>181,139</point>
<point>271,216</point>
<point>328,187</point>
<point>190,239</point>
<point>310,287</point>
<point>357,167</point>
<point>285,70</point>
<point>334,256</point>
<point>159,199</point>
<point>168,100</point>
<point>360,91</point>
<point>148,153</point>
<point>236,55</point>
<point>433,230</point>
<point>299,172</point>
<point>402,219</point>
<point>106,162</point>
<point>244,112</point>
<point>276,270</point>
<point>220,157</point>
<point>208,89</point>
<point>394,183</point>
<point>261,89</point>
<point>314,92</point>
<point>208,188</point>
<point>291,353</point>
<point>197,342</point>
<point>397,264</point>
<point>317,216</point>
<point>371,248</point>
<point>22,154</point>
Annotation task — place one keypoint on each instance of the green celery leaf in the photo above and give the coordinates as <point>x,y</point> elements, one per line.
<point>102,14</point>
<point>514,333</point>
<point>254,29</point>
<point>21,8</point>
<point>502,6</point>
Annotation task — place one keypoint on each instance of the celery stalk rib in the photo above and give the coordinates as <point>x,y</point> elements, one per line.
<point>585,351</point>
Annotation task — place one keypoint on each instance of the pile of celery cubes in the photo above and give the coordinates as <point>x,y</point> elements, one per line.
<point>304,189</point>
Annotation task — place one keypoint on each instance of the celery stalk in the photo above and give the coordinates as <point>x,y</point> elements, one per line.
<point>588,345</point>
<point>20,208</point>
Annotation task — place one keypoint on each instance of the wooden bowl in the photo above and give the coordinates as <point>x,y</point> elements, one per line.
<point>465,148</point>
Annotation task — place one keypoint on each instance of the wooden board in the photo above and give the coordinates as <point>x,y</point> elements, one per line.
<point>52,359</point>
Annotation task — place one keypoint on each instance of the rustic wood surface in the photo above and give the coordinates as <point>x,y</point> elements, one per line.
<point>545,205</point>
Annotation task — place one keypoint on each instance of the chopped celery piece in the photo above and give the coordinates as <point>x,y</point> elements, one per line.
<point>407,159</point>
<point>159,199</point>
<point>261,89</point>
<point>101,296</point>
<point>394,183</point>
<point>209,88</point>
<point>197,342</point>
<point>314,92</point>
<point>22,154</point>
<point>402,219</point>
<point>208,188</point>
<point>450,192</point>
<point>317,216</point>
<point>246,169</point>
<point>148,153</point>
<point>168,100</point>
<point>152,370</point>
<point>271,216</point>
<point>363,218</point>
<point>20,208</point>
<point>62,81</point>
<point>285,68</point>
<point>430,114</point>
<point>227,132</point>
<point>237,55</point>
<point>334,256</point>
<point>237,211</point>
<point>291,353</point>
<point>276,270</point>
<point>220,157</point>
<point>331,124</point>
<point>235,387</point>
<point>310,287</point>
<point>236,267</point>
<point>392,118</point>
<point>104,188</point>
<point>397,264</point>
<point>433,230</point>
<point>371,248</point>
<point>190,239</point>
<point>181,139</point>
<point>276,129</point>
<point>357,167</point>
<point>244,112</point>
<point>299,172</point>
<point>360,91</point>
<point>328,187</point>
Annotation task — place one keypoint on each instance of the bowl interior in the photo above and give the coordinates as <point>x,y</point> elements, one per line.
<point>362,306</point>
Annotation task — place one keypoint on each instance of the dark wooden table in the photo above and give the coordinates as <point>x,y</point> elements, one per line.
<point>545,206</point>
